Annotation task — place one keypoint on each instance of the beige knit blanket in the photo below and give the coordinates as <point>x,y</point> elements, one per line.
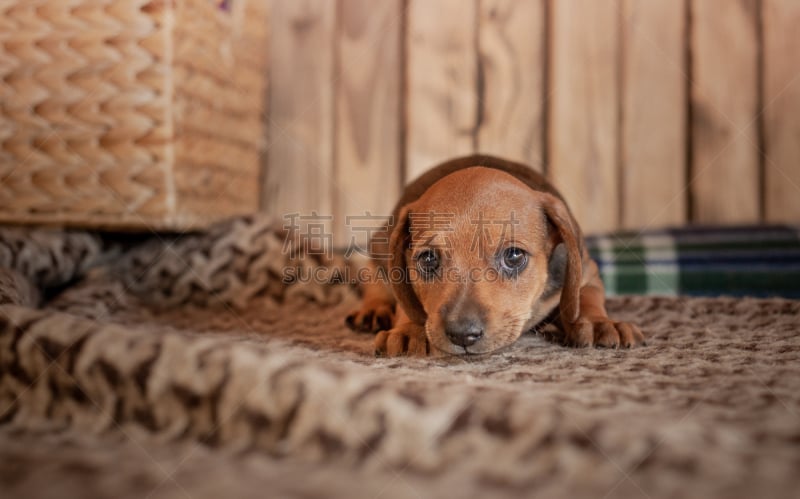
<point>186,367</point>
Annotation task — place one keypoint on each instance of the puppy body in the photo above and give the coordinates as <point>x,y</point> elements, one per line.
<point>478,251</point>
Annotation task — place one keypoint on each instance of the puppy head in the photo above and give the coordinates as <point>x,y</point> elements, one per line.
<point>475,249</point>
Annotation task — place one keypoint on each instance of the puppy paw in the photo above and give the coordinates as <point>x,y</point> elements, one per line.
<point>603,332</point>
<point>371,318</point>
<point>405,339</point>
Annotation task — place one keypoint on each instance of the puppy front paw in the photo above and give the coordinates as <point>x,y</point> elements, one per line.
<point>603,332</point>
<point>404,339</point>
<point>371,318</point>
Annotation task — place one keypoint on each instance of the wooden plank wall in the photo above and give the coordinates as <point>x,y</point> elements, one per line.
<point>645,113</point>
<point>441,101</point>
<point>653,114</point>
<point>724,93</point>
<point>368,143</point>
<point>300,123</point>
<point>781,108</point>
<point>584,100</point>
<point>511,55</point>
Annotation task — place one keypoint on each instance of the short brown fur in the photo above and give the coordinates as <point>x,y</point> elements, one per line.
<point>469,212</point>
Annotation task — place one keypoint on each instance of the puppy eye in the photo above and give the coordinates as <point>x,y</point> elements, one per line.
<point>428,263</point>
<point>513,260</point>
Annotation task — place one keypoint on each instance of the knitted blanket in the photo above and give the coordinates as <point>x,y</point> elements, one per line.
<point>186,366</point>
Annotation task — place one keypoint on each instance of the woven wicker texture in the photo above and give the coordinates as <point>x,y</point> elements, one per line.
<point>130,113</point>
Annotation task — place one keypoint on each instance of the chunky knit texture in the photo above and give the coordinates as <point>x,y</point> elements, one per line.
<point>188,367</point>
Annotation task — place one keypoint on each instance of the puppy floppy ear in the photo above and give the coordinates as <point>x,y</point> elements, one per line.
<point>567,232</point>
<point>399,274</point>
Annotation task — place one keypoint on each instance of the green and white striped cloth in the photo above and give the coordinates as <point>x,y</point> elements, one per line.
<point>707,261</point>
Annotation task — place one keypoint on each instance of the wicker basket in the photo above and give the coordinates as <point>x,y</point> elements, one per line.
<point>130,113</point>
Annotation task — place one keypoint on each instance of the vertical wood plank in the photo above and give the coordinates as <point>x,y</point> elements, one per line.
<point>782,110</point>
<point>368,118</point>
<point>654,82</point>
<point>299,170</point>
<point>724,98</point>
<point>512,56</point>
<point>583,117</point>
<point>442,82</point>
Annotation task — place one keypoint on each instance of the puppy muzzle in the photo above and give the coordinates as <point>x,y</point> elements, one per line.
<point>464,332</point>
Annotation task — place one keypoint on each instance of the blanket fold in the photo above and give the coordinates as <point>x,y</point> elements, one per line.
<point>196,368</point>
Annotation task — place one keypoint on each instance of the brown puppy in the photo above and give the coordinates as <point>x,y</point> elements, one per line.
<point>478,251</point>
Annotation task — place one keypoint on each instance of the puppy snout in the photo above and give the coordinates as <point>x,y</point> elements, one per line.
<point>464,331</point>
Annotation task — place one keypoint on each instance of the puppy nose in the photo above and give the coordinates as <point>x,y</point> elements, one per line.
<point>464,332</point>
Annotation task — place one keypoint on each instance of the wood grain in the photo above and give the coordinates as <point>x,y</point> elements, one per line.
<point>618,125</point>
<point>654,82</point>
<point>512,56</point>
<point>299,174</point>
<point>442,82</point>
<point>724,99</point>
<point>782,110</point>
<point>583,117</point>
<point>368,118</point>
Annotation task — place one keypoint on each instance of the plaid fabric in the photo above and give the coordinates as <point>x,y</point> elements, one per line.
<point>703,261</point>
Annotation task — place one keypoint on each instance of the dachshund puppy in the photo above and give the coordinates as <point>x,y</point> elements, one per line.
<point>478,251</point>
